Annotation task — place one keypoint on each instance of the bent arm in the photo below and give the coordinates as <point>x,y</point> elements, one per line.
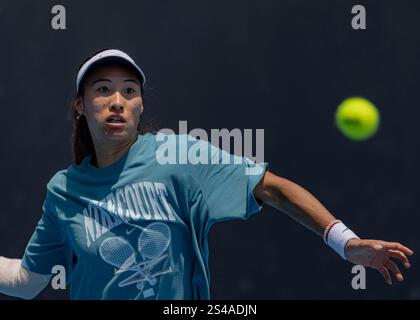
<point>16,281</point>
<point>299,204</point>
<point>295,201</point>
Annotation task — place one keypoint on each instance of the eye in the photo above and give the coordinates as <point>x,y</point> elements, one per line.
<point>130,90</point>
<point>103,89</point>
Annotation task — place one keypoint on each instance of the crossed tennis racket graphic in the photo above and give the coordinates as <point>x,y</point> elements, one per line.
<point>153,241</point>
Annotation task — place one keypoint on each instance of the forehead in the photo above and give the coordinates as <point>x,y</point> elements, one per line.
<point>112,70</point>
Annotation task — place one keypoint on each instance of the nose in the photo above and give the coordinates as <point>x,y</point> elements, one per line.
<point>117,102</point>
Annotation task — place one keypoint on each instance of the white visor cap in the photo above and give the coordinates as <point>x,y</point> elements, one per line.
<point>111,55</point>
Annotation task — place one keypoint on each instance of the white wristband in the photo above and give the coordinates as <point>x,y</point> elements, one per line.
<point>337,235</point>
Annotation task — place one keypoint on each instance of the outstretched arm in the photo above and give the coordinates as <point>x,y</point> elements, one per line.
<point>18,282</point>
<point>303,207</point>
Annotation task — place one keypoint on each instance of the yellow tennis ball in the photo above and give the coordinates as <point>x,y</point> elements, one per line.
<point>357,118</point>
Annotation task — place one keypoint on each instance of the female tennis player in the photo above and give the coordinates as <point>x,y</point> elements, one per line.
<point>128,220</point>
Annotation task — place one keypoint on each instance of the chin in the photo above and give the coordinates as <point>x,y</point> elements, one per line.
<point>117,135</point>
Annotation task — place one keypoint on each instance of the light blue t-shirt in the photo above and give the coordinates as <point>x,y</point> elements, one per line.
<point>138,229</point>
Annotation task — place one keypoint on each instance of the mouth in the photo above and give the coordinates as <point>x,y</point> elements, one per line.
<point>115,119</point>
<point>115,125</point>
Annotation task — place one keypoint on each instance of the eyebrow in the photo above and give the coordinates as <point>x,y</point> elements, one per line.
<point>99,80</point>
<point>131,80</point>
<point>107,80</point>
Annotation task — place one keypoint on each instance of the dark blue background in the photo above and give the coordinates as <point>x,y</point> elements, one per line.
<point>283,66</point>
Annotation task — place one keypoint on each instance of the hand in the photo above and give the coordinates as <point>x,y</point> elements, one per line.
<point>377,254</point>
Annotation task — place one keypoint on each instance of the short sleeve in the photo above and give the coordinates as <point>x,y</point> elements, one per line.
<point>227,182</point>
<point>48,246</point>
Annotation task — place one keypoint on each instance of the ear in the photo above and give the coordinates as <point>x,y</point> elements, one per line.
<point>78,104</point>
<point>141,108</point>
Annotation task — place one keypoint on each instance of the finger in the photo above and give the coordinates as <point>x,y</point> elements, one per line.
<point>397,246</point>
<point>400,256</point>
<point>385,273</point>
<point>391,265</point>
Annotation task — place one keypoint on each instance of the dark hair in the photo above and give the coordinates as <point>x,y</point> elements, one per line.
<point>81,139</point>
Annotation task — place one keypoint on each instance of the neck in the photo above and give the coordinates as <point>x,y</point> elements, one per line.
<point>106,154</point>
